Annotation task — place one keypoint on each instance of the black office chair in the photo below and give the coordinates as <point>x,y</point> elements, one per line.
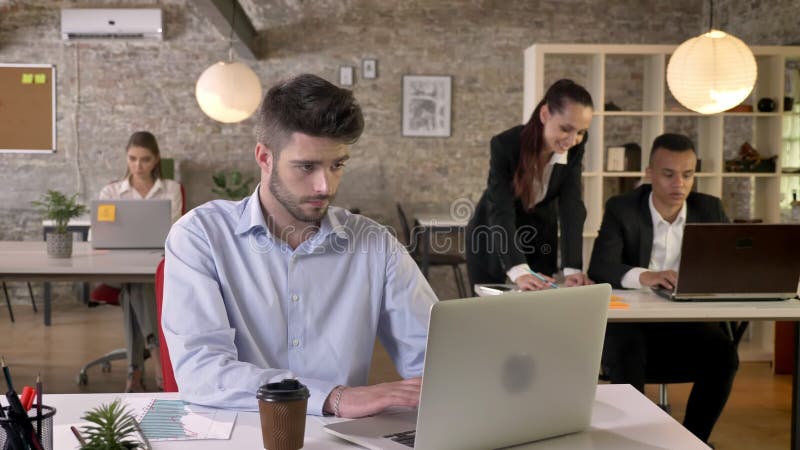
<point>409,240</point>
<point>8,300</point>
<point>734,330</point>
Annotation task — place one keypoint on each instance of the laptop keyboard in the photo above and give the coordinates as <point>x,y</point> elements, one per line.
<point>406,437</point>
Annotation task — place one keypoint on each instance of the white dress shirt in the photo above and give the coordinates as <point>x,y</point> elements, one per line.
<point>242,308</point>
<point>162,189</point>
<point>666,253</point>
<point>541,192</point>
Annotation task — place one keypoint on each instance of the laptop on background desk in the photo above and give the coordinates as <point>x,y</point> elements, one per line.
<point>499,371</point>
<point>735,262</point>
<point>130,224</point>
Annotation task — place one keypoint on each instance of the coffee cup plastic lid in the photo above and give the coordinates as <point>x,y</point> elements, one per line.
<point>283,391</point>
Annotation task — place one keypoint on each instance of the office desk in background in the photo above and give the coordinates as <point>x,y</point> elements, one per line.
<point>28,261</point>
<point>430,223</point>
<point>80,225</point>
<point>623,419</point>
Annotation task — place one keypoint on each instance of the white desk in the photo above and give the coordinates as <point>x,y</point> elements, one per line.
<point>430,223</point>
<point>645,306</point>
<point>622,419</point>
<point>28,261</point>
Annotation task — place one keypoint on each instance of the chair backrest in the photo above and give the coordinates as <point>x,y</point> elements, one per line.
<point>183,199</point>
<point>170,385</point>
<point>404,227</point>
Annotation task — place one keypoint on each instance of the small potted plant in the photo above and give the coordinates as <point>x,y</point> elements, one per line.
<point>112,428</point>
<point>59,208</point>
<point>231,184</point>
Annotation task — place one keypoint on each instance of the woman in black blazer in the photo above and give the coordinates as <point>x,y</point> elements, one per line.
<point>534,183</point>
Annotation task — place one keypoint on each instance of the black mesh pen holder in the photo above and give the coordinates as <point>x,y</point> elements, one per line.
<point>8,425</point>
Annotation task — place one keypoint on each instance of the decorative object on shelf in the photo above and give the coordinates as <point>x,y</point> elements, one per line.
<point>228,92</point>
<point>711,72</point>
<point>795,207</point>
<point>615,159</point>
<point>112,428</point>
<point>750,160</point>
<point>741,108</point>
<point>788,103</point>
<point>230,184</point>
<point>59,208</point>
<point>633,157</point>
<point>766,104</point>
<point>611,106</point>
<point>426,105</point>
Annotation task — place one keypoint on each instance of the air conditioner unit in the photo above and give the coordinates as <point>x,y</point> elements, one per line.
<point>123,23</point>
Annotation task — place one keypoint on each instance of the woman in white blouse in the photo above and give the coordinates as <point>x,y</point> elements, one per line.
<point>142,181</point>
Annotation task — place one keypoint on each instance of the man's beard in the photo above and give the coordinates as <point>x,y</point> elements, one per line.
<point>292,204</point>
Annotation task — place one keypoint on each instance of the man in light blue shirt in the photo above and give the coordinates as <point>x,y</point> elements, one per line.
<point>283,285</point>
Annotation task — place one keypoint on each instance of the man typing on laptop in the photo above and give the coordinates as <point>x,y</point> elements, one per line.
<point>282,285</point>
<point>639,245</point>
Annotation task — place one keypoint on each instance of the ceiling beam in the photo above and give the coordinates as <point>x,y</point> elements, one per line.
<point>221,15</point>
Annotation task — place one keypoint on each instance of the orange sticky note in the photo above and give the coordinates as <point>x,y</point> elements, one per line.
<point>107,213</point>
<point>617,303</point>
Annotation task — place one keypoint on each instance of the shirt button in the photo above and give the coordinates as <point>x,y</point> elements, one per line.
<point>296,342</point>
<point>295,298</point>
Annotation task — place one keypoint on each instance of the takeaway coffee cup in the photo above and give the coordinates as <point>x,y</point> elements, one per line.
<point>282,407</point>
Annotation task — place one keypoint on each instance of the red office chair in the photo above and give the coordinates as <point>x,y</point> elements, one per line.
<point>170,385</point>
<point>104,293</point>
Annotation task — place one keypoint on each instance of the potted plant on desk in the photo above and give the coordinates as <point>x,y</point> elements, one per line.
<point>60,209</point>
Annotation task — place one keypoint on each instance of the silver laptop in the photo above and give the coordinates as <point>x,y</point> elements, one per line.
<point>499,371</point>
<point>730,262</point>
<point>124,224</point>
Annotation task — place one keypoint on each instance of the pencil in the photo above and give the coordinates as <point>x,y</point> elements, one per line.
<point>39,406</point>
<point>7,373</point>
<point>78,435</point>
<point>541,278</point>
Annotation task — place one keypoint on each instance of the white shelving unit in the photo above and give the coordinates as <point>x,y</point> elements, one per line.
<point>636,75</point>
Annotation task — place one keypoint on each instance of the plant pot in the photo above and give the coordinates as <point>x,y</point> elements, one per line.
<point>59,245</point>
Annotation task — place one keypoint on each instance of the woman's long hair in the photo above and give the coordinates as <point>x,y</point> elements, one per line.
<point>145,139</point>
<point>532,136</point>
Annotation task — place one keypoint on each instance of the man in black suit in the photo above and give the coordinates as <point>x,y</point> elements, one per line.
<point>639,245</point>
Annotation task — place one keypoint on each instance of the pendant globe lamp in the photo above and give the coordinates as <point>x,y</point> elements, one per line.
<point>712,72</point>
<point>228,92</point>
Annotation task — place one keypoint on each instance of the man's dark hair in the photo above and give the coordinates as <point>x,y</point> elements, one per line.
<point>673,142</point>
<point>310,105</point>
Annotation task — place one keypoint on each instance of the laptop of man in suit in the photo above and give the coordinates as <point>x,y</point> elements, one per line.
<point>500,371</point>
<point>639,245</point>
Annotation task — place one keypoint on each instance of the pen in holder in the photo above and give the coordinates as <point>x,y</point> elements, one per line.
<point>9,423</point>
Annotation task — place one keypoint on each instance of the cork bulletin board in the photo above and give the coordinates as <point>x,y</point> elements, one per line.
<point>27,108</point>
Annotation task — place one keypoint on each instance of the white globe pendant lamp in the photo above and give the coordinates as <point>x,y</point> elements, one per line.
<point>712,72</point>
<point>228,92</point>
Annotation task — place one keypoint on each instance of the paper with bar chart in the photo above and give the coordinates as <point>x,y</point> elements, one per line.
<point>176,420</point>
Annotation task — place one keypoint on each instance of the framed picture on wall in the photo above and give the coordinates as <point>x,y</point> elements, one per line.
<point>427,101</point>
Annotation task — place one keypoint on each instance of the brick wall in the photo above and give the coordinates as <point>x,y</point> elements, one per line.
<point>106,90</point>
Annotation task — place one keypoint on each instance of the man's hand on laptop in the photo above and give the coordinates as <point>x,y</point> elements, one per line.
<point>368,400</point>
<point>667,279</point>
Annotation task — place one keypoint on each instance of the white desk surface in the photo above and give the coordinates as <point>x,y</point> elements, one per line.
<point>622,419</point>
<point>28,260</point>
<point>440,220</point>
<point>645,306</point>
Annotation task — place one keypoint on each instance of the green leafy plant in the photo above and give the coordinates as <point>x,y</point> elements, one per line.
<point>112,426</point>
<point>59,208</point>
<point>231,184</point>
